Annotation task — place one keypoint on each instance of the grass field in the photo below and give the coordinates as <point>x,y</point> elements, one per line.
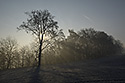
<point>102,70</point>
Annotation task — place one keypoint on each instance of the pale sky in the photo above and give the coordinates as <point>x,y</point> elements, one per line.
<point>104,15</point>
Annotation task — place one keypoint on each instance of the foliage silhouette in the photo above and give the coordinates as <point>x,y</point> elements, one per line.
<point>84,44</point>
<point>41,24</point>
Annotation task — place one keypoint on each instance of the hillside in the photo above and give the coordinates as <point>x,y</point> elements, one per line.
<point>101,70</point>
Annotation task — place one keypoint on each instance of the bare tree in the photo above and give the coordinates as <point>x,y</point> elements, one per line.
<point>8,48</point>
<point>26,56</point>
<point>42,25</point>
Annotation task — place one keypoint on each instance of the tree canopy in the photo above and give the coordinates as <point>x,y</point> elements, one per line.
<point>52,45</point>
<point>81,45</point>
<point>41,24</point>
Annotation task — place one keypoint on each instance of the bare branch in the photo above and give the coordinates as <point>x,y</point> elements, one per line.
<point>41,23</point>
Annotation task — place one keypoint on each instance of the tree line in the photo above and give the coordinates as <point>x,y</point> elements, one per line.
<point>81,45</point>
<point>52,47</point>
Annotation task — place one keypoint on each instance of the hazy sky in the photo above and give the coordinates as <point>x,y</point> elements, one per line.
<point>104,15</point>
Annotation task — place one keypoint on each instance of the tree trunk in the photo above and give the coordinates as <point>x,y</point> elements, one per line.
<point>40,51</point>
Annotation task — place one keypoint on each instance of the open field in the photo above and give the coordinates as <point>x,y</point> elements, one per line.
<point>102,70</point>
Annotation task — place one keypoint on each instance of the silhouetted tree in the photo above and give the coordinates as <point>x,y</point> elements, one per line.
<point>89,43</point>
<point>41,24</point>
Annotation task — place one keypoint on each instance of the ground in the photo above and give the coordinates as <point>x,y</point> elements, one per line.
<point>102,70</point>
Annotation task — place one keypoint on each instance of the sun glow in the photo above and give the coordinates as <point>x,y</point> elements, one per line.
<point>45,37</point>
<point>40,36</point>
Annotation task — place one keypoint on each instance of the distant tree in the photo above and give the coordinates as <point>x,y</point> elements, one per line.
<point>8,49</point>
<point>27,57</point>
<point>42,25</point>
<point>118,47</point>
<point>2,60</point>
<point>24,52</point>
<point>89,43</point>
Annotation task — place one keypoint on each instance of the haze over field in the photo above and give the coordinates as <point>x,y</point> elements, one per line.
<point>104,15</point>
<point>62,41</point>
<point>103,70</point>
